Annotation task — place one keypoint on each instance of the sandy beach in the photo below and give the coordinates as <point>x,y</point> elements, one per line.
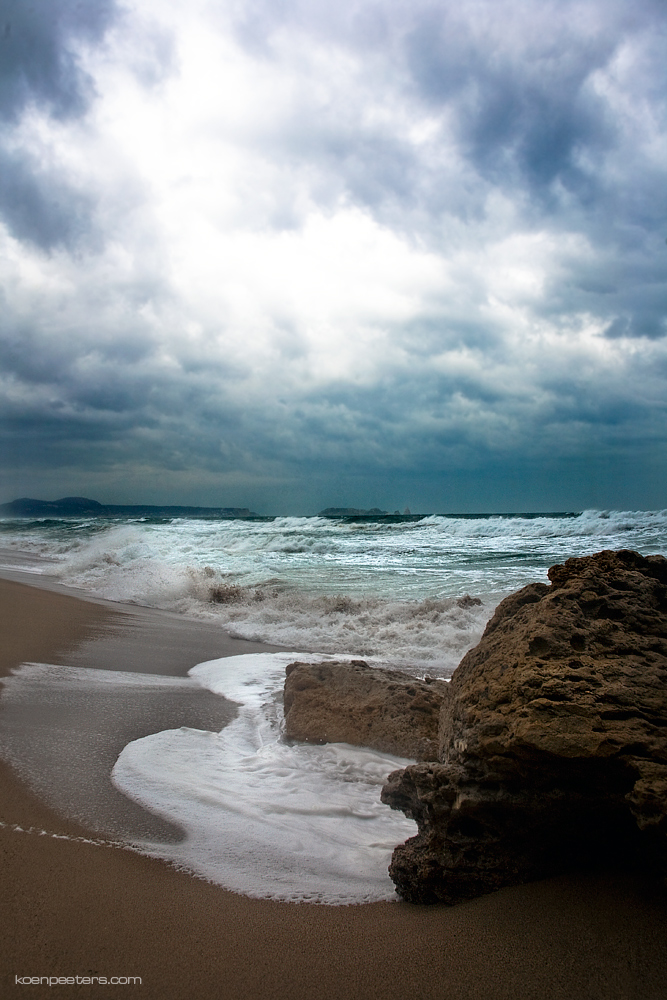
<point>72,907</point>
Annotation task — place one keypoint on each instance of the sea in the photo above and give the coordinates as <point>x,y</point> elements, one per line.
<point>260,816</point>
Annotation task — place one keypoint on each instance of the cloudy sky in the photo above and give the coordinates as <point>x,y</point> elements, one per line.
<point>288,254</point>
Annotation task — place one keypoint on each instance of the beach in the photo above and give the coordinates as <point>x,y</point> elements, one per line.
<point>76,905</point>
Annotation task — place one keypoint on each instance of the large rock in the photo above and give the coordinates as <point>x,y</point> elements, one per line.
<point>553,738</point>
<point>350,702</point>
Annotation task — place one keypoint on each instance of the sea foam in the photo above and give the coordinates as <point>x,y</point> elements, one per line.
<point>264,818</point>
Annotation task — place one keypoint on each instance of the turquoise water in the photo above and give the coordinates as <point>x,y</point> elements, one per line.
<point>370,587</point>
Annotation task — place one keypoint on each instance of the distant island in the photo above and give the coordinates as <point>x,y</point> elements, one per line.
<point>83,507</point>
<point>349,511</point>
<point>351,514</point>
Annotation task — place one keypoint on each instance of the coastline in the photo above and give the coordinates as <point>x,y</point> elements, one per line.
<point>75,908</point>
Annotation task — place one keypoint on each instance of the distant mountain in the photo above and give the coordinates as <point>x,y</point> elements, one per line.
<point>83,507</point>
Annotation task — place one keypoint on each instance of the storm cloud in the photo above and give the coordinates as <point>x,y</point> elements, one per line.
<point>297,255</point>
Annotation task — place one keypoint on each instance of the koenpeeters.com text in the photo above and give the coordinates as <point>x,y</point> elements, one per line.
<point>77,980</point>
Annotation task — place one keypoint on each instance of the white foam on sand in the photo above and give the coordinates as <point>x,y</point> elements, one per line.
<point>263,818</point>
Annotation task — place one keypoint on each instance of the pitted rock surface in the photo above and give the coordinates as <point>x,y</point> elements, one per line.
<point>351,702</point>
<point>553,738</point>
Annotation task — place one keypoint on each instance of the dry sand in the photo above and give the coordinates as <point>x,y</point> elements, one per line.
<point>72,908</point>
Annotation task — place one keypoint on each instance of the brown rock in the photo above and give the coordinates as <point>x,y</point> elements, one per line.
<point>553,738</point>
<point>350,702</point>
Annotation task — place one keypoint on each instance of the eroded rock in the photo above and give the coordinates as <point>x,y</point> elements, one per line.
<point>351,702</point>
<point>553,738</point>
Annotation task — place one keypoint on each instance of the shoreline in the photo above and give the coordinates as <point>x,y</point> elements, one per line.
<point>137,637</point>
<point>74,908</point>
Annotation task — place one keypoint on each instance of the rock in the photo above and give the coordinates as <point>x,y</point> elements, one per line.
<point>348,511</point>
<point>468,602</point>
<point>350,702</point>
<point>553,739</point>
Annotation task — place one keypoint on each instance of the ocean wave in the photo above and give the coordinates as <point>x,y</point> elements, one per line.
<point>568,526</point>
<point>428,636</point>
<point>371,588</point>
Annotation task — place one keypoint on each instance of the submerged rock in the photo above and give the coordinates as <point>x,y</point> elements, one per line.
<point>553,738</point>
<point>350,702</point>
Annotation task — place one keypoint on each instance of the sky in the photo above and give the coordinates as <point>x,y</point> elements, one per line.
<point>289,254</point>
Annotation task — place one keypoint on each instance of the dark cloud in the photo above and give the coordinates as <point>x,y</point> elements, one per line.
<point>519,78</point>
<point>41,71</point>
<point>430,424</point>
<point>39,68</point>
<point>39,205</point>
<point>555,105</point>
<point>521,94</point>
<point>38,60</point>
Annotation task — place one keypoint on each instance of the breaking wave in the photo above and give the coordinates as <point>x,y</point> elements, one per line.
<point>374,588</point>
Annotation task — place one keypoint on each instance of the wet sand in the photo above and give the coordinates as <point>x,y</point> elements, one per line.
<point>74,908</point>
